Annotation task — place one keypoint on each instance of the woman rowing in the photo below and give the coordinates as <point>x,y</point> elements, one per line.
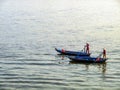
<point>104,53</point>
<point>87,49</point>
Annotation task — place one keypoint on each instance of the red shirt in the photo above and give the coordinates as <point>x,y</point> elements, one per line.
<point>104,51</point>
<point>87,45</point>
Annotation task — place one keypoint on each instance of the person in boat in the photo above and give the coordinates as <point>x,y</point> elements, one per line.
<point>104,53</point>
<point>84,49</point>
<point>63,50</point>
<point>87,48</point>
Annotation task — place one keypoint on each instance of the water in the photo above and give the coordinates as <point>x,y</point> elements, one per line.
<point>31,29</point>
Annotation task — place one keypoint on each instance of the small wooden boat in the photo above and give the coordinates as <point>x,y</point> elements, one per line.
<point>73,53</point>
<point>87,59</point>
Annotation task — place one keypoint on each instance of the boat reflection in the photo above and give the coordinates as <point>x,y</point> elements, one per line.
<point>61,56</point>
<point>101,66</point>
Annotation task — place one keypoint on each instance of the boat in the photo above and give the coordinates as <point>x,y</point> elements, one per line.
<point>73,53</point>
<point>87,59</point>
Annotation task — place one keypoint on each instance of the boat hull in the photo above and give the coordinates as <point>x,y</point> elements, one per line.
<point>87,59</point>
<point>73,53</point>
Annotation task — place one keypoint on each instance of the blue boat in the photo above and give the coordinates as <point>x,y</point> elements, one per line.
<point>73,53</point>
<point>87,59</point>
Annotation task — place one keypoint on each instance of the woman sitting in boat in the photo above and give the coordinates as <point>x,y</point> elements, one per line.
<point>63,50</point>
<point>103,53</point>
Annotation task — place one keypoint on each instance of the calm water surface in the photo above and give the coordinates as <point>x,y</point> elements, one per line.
<point>31,29</point>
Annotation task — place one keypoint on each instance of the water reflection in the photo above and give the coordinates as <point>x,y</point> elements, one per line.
<point>101,66</point>
<point>60,56</point>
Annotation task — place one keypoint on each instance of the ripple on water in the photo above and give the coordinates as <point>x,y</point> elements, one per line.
<point>29,31</point>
